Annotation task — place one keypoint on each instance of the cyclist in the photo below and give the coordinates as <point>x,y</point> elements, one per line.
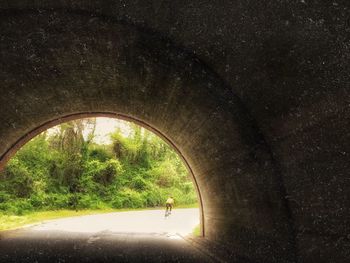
<point>169,205</point>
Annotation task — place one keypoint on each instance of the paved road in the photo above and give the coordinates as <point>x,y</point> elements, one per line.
<point>105,238</point>
<point>148,221</point>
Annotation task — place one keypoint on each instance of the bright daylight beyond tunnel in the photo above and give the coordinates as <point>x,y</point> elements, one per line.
<point>98,174</point>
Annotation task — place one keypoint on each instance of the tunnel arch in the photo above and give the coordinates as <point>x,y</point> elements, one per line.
<point>133,73</point>
<point>27,137</point>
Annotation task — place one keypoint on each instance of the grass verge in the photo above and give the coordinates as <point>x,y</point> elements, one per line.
<point>196,231</point>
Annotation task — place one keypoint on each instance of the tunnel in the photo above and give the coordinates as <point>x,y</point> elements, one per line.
<point>253,95</point>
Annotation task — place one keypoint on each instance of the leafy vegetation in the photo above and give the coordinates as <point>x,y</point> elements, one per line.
<point>9,221</point>
<point>196,231</point>
<point>65,168</point>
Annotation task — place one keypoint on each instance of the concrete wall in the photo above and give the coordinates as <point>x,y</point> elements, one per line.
<point>255,95</point>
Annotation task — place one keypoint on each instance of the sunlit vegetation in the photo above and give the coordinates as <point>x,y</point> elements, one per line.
<point>11,221</point>
<point>66,169</point>
<point>196,231</point>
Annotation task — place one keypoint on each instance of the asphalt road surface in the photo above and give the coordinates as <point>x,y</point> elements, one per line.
<point>138,236</point>
<point>147,221</point>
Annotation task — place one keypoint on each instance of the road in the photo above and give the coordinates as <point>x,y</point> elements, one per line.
<point>138,236</point>
<point>181,221</point>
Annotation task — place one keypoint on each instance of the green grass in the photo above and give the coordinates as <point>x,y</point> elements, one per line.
<point>186,206</point>
<point>196,231</point>
<point>10,222</point>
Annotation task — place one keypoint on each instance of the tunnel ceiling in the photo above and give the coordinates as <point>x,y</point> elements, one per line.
<point>255,95</point>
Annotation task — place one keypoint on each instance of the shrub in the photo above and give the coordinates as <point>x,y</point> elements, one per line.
<point>6,206</point>
<point>128,198</point>
<point>4,196</point>
<point>153,198</point>
<point>187,187</point>
<point>100,153</point>
<point>89,202</point>
<point>57,201</point>
<point>104,173</point>
<point>38,200</point>
<point>20,207</point>
<point>138,183</point>
<point>19,180</point>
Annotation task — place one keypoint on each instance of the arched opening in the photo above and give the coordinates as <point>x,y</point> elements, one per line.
<point>216,79</point>
<point>85,63</point>
<point>46,126</point>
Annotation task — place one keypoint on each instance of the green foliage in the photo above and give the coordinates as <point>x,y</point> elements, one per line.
<point>153,196</point>
<point>90,201</point>
<point>109,171</point>
<point>17,207</point>
<point>18,181</point>
<point>97,152</point>
<point>138,183</point>
<point>4,196</point>
<point>128,198</point>
<point>196,231</point>
<point>57,201</point>
<point>67,170</point>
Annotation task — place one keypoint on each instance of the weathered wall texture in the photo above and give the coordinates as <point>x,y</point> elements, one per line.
<point>255,95</point>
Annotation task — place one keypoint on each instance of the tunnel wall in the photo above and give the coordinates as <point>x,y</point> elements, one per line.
<point>255,95</point>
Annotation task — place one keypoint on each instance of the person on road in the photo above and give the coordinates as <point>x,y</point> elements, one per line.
<point>169,205</point>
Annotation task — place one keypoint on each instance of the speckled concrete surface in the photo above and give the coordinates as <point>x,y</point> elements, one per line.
<point>59,246</point>
<point>253,94</point>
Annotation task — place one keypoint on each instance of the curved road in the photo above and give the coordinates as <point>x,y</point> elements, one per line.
<point>181,221</point>
<point>138,236</point>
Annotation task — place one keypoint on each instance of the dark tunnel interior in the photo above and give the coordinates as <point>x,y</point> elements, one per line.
<point>254,95</point>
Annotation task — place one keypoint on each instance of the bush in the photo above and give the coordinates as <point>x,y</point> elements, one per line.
<point>88,185</point>
<point>4,197</point>
<point>187,187</point>
<point>128,198</point>
<point>100,153</point>
<point>19,207</point>
<point>116,202</point>
<point>138,183</point>
<point>6,206</point>
<point>38,200</point>
<point>19,180</point>
<point>89,202</point>
<point>153,197</point>
<point>57,201</point>
<point>104,172</point>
